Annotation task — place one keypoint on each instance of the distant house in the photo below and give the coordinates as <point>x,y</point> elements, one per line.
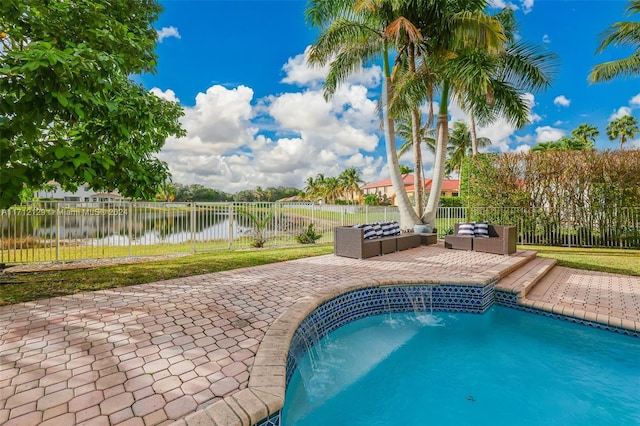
<point>450,187</point>
<point>83,193</point>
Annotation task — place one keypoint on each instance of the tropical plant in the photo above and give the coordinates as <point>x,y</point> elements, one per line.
<point>625,33</point>
<point>309,236</point>
<point>623,128</point>
<point>258,224</point>
<point>70,111</point>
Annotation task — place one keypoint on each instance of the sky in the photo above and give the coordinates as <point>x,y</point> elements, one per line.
<point>255,114</point>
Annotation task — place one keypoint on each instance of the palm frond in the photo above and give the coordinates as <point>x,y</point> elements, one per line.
<point>626,67</point>
<point>528,67</point>
<point>620,34</point>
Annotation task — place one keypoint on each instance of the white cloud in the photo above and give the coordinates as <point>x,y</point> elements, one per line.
<point>548,134</point>
<point>546,38</point>
<point>167,32</point>
<point>168,94</point>
<point>562,101</point>
<point>620,112</point>
<point>234,142</point>
<point>300,73</point>
<point>635,101</point>
<point>525,5</point>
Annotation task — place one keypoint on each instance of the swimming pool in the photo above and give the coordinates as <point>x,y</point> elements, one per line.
<point>502,367</point>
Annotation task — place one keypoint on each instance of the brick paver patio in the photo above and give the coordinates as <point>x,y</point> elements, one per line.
<point>154,353</point>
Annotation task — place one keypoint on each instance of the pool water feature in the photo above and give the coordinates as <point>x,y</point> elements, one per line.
<point>502,367</point>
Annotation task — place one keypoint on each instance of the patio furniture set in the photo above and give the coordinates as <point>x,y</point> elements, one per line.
<point>482,237</point>
<point>377,239</point>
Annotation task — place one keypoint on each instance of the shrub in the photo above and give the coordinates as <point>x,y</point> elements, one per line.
<point>309,236</point>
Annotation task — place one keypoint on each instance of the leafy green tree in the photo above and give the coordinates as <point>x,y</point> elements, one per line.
<point>69,110</point>
<point>625,33</point>
<point>623,128</point>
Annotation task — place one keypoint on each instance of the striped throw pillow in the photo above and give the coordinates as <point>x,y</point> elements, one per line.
<point>466,229</point>
<point>395,228</point>
<point>378,228</point>
<point>387,229</point>
<point>369,232</point>
<point>481,230</point>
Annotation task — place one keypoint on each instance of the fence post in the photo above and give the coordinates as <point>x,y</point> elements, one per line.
<point>193,227</point>
<point>230,226</point>
<point>344,212</point>
<point>366,213</point>
<point>58,232</point>
<point>130,228</point>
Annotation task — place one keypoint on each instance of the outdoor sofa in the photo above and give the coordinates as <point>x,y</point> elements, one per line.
<point>497,239</point>
<point>359,242</point>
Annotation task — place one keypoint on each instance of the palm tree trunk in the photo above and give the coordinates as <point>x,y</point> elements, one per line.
<point>442,129</point>
<point>417,159</point>
<point>417,142</point>
<point>408,217</point>
<point>474,137</point>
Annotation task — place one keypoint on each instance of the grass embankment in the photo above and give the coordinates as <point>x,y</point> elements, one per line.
<point>24,287</point>
<point>617,261</point>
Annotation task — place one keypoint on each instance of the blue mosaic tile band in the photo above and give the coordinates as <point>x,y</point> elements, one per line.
<point>369,301</point>
<point>503,298</point>
<point>511,300</point>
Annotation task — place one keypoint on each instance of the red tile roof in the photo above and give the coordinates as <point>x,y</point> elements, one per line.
<point>447,184</point>
<point>406,178</point>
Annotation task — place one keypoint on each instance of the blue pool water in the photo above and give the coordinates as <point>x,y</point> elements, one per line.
<point>505,367</point>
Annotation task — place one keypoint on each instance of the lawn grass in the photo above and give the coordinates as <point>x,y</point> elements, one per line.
<point>617,261</point>
<point>24,287</point>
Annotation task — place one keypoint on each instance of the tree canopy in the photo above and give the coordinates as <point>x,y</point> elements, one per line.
<point>69,109</point>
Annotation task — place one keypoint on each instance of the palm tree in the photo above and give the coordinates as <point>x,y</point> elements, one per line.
<point>623,128</point>
<point>310,188</point>
<point>587,134</point>
<point>620,34</point>
<point>350,180</point>
<point>331,190</point>
<point>460,146</point>
<point>351,34</point>
<point>446,27</point>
